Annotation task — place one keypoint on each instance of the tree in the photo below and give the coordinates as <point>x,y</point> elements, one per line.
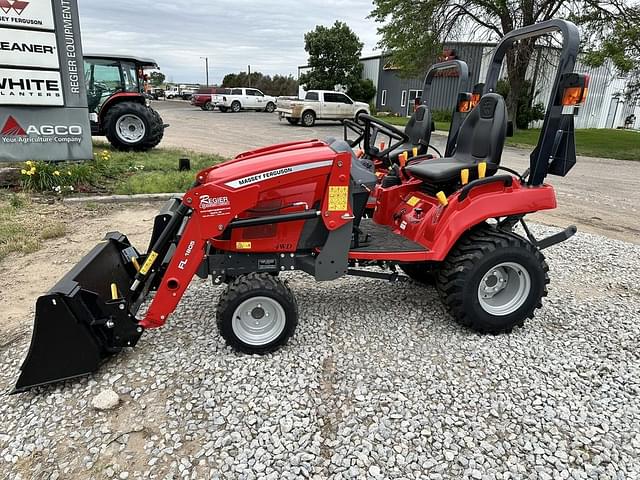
<point>617,40</point>
<point>156,78</point>
<point>362,91</point>
<point>414,30</point>
<point>276,86</point>
<point>334,58</point>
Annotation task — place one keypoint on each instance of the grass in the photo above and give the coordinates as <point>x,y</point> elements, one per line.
<point>22,231</point>
<point>590,142</point>
<point>402,121</point>
<point>117,172</point>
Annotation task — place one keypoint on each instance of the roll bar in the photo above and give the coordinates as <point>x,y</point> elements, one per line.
<point>463,78</point>
<point>555,151</point>
<point>463,82</point>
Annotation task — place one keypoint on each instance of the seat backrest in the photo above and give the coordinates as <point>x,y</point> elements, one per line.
<point>483,132</point>
<point>419,126</point>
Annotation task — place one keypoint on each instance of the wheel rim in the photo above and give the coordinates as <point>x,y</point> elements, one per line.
<point>208,106</point>
<point>235,107</point>
<point>270,108</point>
<point>258,321</point>
<point>130,128</point>
<point>308,119</point>
<point>504,288</point>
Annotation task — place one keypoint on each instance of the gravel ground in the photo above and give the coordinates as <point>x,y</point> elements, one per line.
<point>378,382</point>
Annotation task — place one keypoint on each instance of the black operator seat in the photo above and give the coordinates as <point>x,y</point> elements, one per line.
<point>481,139</point>
<point>418,129</point>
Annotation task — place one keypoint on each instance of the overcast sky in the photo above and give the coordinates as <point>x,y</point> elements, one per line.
<point>232,33</point>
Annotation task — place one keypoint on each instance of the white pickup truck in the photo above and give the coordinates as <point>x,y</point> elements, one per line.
<point>244,99</point>
<point>319,105</point>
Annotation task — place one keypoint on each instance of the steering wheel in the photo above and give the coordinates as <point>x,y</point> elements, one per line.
<point>368,128</point>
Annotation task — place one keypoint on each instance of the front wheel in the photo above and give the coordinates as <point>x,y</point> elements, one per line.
<point>257,313</point>
<point>271,107</point>
<point>492,280</point>
<point>236,107</point>
<point>208,106</point>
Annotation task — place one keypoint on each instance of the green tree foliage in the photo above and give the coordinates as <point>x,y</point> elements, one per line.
<point>156,78</point>
<point>334,58</point>
<point>527,111</point>
<point>414,30</point>
<point>617,39</point>
<point>277,85</point>
<point>362,91</point>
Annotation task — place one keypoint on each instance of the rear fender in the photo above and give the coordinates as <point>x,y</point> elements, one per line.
<point>446,224</point>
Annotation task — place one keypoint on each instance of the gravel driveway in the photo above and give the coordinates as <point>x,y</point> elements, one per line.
<point>377,382</point>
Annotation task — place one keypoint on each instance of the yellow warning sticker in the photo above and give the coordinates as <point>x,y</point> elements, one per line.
<point>413,201</point>
<point>148,262</point>
<point>338,199</point>
<point>243,245</point>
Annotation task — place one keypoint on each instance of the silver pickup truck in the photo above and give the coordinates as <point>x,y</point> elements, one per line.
<point>319,105</point>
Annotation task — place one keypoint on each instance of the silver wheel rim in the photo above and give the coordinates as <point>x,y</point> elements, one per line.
<point>308,119</point>
<point>235,107</point>
<point>258,321</point>
<point>504,288</point>
<point>130,128</point>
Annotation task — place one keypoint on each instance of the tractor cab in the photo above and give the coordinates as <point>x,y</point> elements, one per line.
<point>117,105</point>
<point>106,76</point>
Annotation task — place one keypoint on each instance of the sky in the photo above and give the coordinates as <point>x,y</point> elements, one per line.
<point>269,36</point>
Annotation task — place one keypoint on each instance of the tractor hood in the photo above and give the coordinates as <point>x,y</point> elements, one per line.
<point>252,167</point>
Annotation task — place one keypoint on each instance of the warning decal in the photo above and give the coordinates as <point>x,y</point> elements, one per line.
<point>338,199</point>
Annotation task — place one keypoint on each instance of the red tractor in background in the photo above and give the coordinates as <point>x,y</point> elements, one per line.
<point>300,206</point>
<point>118,108</point>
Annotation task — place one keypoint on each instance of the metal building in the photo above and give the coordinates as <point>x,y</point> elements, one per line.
<point>606,106</point>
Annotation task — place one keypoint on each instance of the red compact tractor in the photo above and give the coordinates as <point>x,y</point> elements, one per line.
<point>117,107</point>
<point>299,206</point>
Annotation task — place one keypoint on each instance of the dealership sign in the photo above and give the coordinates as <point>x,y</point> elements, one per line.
<point>30,87</point>
<point>28,49</point>
<point>26,14</point>
<point>43,99</point>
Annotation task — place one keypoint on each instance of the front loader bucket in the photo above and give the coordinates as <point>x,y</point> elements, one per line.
<point>84,317</point>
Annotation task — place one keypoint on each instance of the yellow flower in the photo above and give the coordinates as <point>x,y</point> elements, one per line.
<point>29,163</point>
<point>23,171</point>
<point>56,173</point>
<point>30,172</point>
<point>69,172</point>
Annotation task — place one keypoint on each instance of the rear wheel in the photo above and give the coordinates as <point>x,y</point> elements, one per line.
<point>223,109</point>
<point>208,106</point>
<point>271,107</point>
<point>308,119</point>
<point>257,313</point>
<point>236,107</point>
<point>133,126</point>
<point>492,280</point>
<point>293,121</point>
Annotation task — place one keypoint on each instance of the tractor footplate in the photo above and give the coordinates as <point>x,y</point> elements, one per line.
<point>381,239</point>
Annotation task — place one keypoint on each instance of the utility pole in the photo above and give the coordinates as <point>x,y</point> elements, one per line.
<point>206,66</point>
<point>249,68</point>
